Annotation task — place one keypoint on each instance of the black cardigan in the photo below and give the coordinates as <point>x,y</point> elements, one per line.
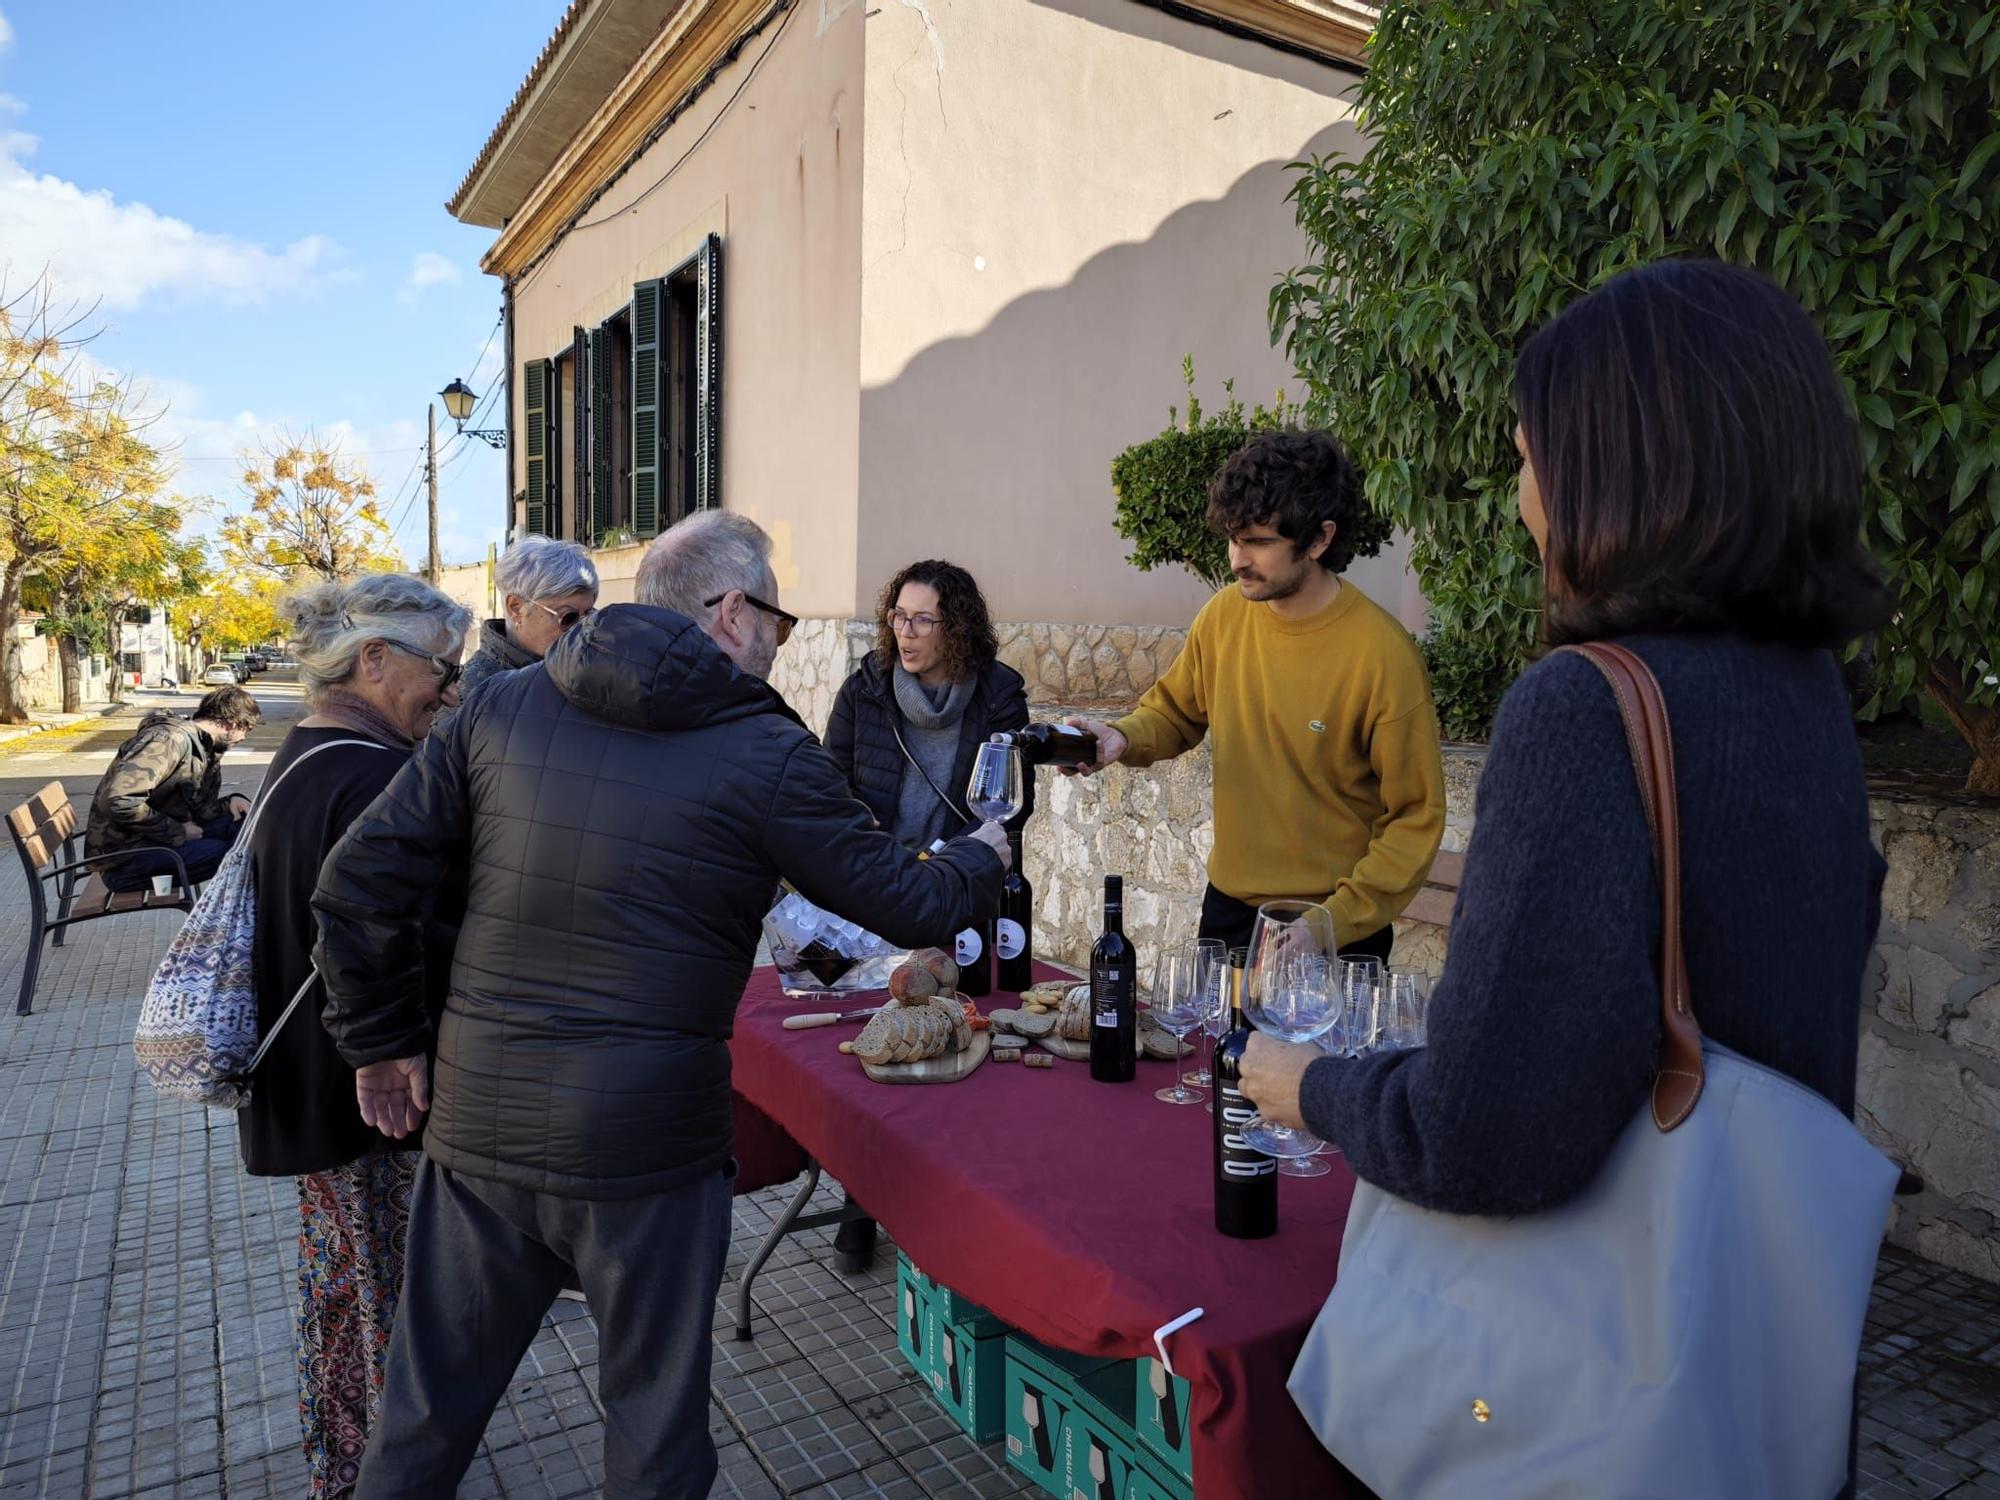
<point>302,1116</point>
<point>861,738</point>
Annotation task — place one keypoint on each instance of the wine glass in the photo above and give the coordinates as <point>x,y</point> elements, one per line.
<point>1330,1040</point>
<point>1291,997</point>
<point>1354,1033</point>
<point>1403,1012</point>
<point>1179,998</point>
<point>994,790</point>
<point>1212,956</point>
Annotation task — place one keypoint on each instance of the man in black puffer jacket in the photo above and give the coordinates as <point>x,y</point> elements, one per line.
<point>626,808</point>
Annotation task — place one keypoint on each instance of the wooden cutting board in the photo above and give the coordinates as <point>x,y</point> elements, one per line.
<point>948,1067</point>
<point>1080,1051</point>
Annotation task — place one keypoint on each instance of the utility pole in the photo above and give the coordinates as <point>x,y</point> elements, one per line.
<point>431,574</point>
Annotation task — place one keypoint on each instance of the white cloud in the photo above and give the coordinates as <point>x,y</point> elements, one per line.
<point>426,270</point>
<point>12,104</point>
<point>6,34</point>
<point>121,254</point>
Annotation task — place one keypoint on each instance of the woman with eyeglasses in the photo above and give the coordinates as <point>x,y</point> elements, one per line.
<point>545,586</point>
<point>379,660</point>
<point>909,721</point>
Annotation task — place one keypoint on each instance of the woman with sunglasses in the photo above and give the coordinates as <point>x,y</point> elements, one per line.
<point>379,660</point>
<point>909,721</point>
<point>545,586</point>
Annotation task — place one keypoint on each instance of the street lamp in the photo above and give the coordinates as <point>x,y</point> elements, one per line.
<point>459,399</point>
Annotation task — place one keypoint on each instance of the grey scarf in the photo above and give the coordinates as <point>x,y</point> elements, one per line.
<point>930,735</point>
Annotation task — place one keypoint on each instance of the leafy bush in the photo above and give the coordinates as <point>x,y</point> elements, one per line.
<point>1468,674</point>
<point>1162,483</point>
<point>1523,154</point>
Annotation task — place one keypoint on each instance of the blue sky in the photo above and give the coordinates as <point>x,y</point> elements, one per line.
<point>254,194</point>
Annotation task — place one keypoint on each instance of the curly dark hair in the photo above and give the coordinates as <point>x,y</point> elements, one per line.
<point>1294,481</point>
<point>231,707</point>
<point>965,628</point>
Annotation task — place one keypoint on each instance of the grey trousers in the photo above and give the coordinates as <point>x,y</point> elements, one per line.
<point>483,1264</point>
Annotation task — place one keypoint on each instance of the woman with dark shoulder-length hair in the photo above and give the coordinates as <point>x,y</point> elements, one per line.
<point>907,724</point>
<point>909,719</point>
<point>1690,474</point>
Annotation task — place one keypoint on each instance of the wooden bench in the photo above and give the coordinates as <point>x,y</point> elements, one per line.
<point>1434,903</point>
<point>44,830</point>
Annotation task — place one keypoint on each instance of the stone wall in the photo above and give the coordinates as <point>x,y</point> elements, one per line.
<point>1930,1043</point>
<point>815,662</point>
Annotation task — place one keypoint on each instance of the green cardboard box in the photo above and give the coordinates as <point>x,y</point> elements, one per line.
<point>967,1374</point>
<point>913,1315</point>
<point>1101,1449</point>
<point>1043,1389</point>
<point>960,1310</point>
<point>1150,1482</point>
<point>1161,1401</point>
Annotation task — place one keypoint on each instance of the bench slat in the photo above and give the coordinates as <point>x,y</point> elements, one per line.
<point>1432,906</point>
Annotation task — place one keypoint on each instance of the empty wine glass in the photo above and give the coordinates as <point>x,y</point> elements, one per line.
<point>1214,970</point>
<point>1404,1002</point>
<point>1291,997</point>
<point>994,790</point>
<point>1179,997</point>
<point>1360,992</point>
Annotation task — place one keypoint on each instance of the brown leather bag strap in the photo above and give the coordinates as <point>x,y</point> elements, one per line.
<point>1644,711</point>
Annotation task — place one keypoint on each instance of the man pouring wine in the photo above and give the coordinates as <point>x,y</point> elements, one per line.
<point>1329,786</point>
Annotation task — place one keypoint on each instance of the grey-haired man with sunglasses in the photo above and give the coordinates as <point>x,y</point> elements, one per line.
<point>626,809</point>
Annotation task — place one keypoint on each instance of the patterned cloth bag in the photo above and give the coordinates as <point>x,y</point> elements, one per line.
<point>197,1036</point>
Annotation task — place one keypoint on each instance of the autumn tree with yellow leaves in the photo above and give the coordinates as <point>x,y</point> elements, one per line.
<point>310,511</point>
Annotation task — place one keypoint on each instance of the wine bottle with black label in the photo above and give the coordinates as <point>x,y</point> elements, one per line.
<point>1114,996</point>
<point>1053,745</point>
<point>1014,932</point>
<point>1246,1180</point>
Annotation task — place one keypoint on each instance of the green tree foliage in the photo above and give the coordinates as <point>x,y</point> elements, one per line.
<point>1162,483</point>
<point>1524,153</point>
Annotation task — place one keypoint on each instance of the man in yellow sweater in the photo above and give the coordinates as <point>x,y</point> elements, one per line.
<point>1328,781</point>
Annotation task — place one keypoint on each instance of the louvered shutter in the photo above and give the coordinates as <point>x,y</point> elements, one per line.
<point>708,376</point>
<point>551,425</point>
<point>579,474</point>
<point>600,433</point>
<point>534,402</point>
<point>649,300</point>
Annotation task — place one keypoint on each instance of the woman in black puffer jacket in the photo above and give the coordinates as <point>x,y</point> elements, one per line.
<point>909,720</point>
<point>907,724</point>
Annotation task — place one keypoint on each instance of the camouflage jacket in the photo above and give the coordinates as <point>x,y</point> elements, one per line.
<point>167,775</point>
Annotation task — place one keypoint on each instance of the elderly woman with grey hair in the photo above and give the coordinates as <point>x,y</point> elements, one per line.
<point>546,586</point>
<point>379,658</point>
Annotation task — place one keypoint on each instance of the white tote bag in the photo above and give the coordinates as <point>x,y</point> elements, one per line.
<point>1688,1327</point>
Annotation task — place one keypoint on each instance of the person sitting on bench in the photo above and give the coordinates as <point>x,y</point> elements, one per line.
<point>164,792</point>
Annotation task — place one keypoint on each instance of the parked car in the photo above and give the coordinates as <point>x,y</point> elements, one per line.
<point>222,674</point>
<point>256,662</point>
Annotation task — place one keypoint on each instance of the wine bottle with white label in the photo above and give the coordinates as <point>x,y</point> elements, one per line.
<point>1246,1180</point>
<point>1014,932</point>
<point>973,950</point>
<point>1114,996</point>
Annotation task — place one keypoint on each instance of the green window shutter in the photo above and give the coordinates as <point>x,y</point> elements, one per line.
<point>648,409</point>
<point>708,376</point>
<point>534,401</point>
<point>600,435</point>
<point>552,440</point>
<point>579,475</point>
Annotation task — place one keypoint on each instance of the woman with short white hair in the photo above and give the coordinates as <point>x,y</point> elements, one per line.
<point>379,659</point>
<point>545,586</point>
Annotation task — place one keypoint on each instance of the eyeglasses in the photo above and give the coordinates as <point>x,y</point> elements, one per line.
<point>786,622</point>
<point>564,618</point>
<point>448,671</point>
<point>903,623</point>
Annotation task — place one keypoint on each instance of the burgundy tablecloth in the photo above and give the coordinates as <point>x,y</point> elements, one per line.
<point>1080,1212</point>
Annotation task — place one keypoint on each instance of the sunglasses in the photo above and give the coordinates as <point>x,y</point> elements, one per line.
<point>564,618</point>
<point>786,621</point>
<point>448,671</point>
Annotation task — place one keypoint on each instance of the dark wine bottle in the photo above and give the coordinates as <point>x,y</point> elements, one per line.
<point>1014,932</point>
<point>1114,997</point>
<point>1053,745</point>
<point>973,948</point>
<point>1246,1180</point>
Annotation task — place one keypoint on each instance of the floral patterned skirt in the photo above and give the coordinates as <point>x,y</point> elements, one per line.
<point>354,1222</point>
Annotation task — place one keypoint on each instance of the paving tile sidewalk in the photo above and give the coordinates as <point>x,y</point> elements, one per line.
<point>146,1295</point>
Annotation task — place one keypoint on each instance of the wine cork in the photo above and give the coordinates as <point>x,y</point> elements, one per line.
<point>848,1048</point>
<point>1038,1060</point>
